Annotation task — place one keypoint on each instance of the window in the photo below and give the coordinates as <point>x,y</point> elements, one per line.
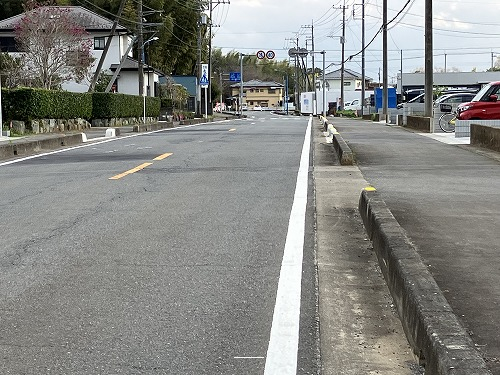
<point>271,91</point>
<point>99,42</point>
<point>8,44</point>
<point>347,83</point>
<point>261,90</point>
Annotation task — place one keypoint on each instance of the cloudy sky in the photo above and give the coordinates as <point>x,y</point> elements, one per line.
<point>466,32</point>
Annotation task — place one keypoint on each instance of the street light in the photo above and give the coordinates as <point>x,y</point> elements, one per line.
<point>145,92</point>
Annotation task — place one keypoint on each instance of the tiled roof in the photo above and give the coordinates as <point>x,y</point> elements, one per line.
<point>82,16</point>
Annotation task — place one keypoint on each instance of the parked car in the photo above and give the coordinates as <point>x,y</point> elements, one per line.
<point>244,107</point>
<point>454,99</point>
<point>484,106</point>
<point>353,106</point>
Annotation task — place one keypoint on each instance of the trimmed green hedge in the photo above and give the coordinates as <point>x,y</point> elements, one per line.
<point>110,105</point>
<point>26,104</point>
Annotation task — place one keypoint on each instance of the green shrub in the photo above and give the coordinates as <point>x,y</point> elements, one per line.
<point>26,104</point>
<point>110,105</point>
<point>346,113</point>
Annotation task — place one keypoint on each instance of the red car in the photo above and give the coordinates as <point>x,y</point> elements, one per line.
<point>484,106</point>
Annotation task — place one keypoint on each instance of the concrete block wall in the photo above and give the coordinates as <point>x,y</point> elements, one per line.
<point>462,127</point>
<point>485,136</point>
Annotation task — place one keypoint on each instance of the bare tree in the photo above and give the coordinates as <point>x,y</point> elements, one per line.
<point>55,48</point>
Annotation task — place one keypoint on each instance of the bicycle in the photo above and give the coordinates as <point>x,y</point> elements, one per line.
<point>447,119</point>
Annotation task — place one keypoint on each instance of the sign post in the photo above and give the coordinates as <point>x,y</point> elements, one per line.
<point>204,83</point>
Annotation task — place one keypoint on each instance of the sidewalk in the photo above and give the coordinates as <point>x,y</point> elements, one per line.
<point>446,199</point>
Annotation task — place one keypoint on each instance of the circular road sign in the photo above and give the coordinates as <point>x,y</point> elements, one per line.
<point>270,55</point>
<point>261,54</point>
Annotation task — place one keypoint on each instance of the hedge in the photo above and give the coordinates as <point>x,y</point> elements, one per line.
<point>110,105</point>
<point>26,104</point>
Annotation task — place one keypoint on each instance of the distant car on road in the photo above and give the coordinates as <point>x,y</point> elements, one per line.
<point>244,107</point>
<point>484,106</point>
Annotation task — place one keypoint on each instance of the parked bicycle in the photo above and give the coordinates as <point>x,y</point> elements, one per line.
<point>447,119</point>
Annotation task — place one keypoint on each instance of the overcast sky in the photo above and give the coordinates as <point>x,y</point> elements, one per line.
<point>466,33</point>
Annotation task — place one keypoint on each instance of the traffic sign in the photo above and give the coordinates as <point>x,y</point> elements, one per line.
<point>261,54</point>
<point>235,76</point>
<point>270,55</point>
<point>204,81</point>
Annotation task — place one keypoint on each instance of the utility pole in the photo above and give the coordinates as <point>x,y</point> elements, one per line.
<point>140,48</point>
<point>363,78</point>
<point>342,63</point>
<point>428,61</point>
<point>106,48</point>
<point>385,91</point>
<point>342,67</point>
<point>311,26</point>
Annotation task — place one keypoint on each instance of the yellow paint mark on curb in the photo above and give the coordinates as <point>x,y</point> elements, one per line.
<point>232,130</point>
<point>370,188</point>
<point>164,156</point>
<point>130,171</point>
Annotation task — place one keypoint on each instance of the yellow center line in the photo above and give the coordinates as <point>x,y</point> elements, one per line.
<point>164,156</point>
<point>232,130</point>
<point>130,171</point>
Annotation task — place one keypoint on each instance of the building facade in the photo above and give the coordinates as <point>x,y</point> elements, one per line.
<point>260,94</point>
<point>98,29</point>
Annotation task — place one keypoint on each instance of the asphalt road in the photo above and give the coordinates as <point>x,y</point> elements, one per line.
<point>154,254</point>
<point>447,199</point>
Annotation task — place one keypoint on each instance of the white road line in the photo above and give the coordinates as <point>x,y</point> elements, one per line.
<point>284,339</point>
<point>94,144</point>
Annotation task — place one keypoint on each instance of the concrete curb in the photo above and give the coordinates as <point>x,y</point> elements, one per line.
<point>343,151</point>
<point>433,330</point>
<point>24,147</point>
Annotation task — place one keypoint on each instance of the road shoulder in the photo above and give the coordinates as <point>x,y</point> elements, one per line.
<point>359,328</point>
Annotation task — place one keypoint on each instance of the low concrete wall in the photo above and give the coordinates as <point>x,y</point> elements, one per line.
<point>419,123</point>
<point>22,147</point>
<point>433,331</point>
<point>485,136</point>
<point>151,127</point>
<point>343,151</point>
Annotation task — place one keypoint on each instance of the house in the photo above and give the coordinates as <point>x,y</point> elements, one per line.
<point>352,80</point>
<point>258,93</point>
<point>99,29</point>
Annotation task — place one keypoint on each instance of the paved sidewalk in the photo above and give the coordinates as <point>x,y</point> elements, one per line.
<point>447,199</point>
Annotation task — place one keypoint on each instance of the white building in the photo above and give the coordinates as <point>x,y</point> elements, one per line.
<point>352,80</point>
<point>99,29</point>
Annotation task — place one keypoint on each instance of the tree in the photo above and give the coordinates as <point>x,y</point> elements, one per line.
<point>55,47</point>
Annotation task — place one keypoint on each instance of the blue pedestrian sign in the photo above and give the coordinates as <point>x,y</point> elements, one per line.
<point>204,75</point>
<point>235,76</point>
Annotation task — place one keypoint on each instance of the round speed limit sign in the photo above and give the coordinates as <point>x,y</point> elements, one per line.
<point>270,55</point>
